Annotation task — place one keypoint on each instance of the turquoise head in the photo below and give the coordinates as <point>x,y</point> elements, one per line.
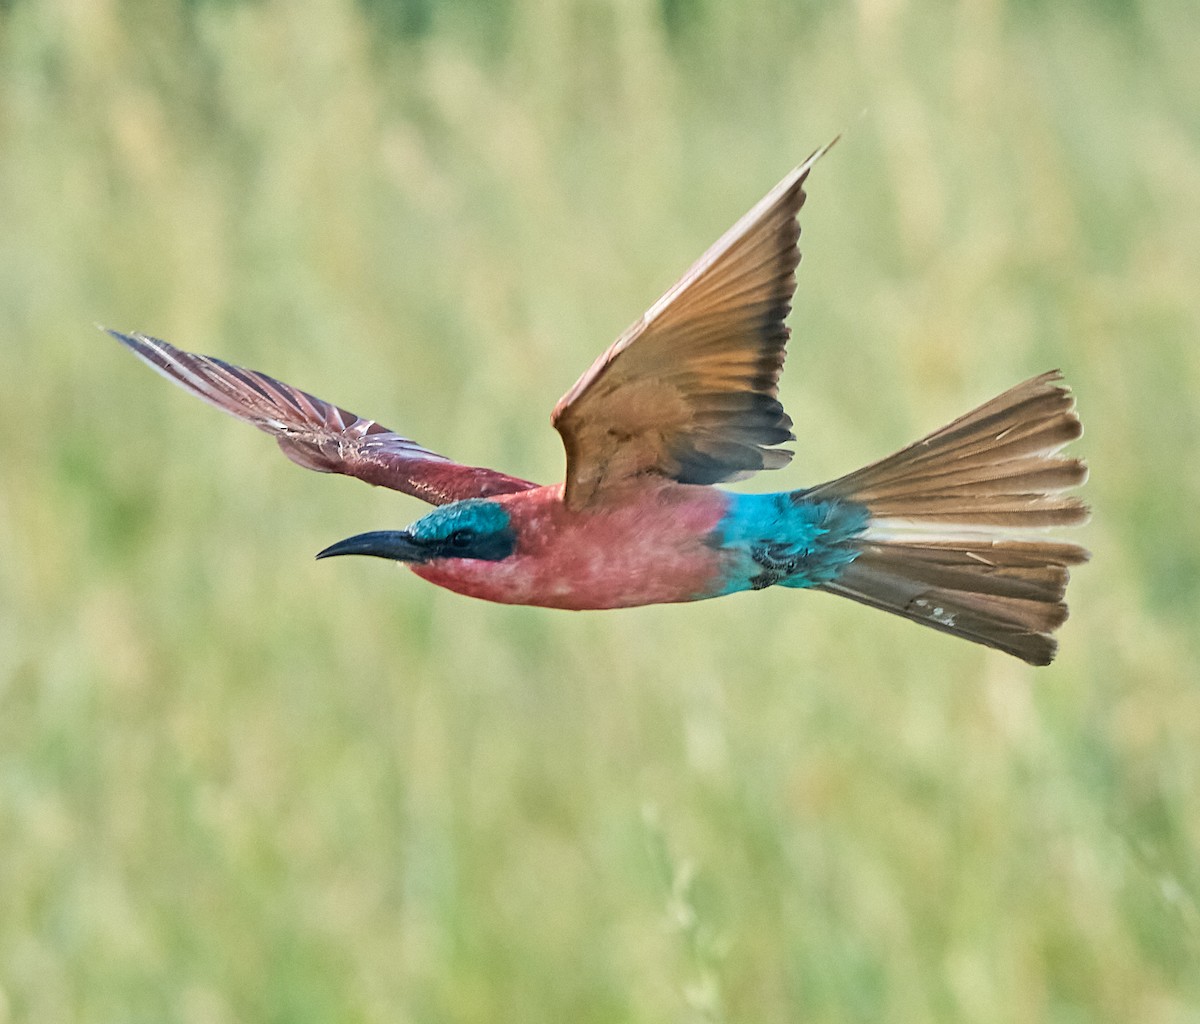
<point>475,528</point>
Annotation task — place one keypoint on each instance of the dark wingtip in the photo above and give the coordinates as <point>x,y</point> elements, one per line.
<point>129,340</point>
<point>818,153</point>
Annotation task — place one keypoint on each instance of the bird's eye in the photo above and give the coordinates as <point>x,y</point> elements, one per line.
<point>460,539</point>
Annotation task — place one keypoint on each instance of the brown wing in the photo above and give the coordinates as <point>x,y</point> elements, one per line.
<point>690,390</point>
<point>320,436</point>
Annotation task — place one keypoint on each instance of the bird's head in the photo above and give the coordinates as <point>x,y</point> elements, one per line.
<point>474,528</point>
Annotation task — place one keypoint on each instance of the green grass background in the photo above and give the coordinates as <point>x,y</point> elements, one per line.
<point>237,785</point>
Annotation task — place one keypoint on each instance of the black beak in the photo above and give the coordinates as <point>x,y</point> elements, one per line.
<point>397,545</point>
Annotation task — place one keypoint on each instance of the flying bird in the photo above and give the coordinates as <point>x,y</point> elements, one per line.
<point>950,532</point>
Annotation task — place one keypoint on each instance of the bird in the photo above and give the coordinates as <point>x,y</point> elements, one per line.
<point>954,531</point>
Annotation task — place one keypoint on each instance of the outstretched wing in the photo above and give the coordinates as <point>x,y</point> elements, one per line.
<point>320,436</point>
<point>690,390</point>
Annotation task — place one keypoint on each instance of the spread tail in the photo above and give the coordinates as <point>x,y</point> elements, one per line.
<point>957,539</point>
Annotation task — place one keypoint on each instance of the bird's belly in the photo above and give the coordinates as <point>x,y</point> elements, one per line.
<point>585,580</point>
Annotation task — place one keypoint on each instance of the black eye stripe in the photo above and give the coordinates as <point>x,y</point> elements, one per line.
<point>468,543</point>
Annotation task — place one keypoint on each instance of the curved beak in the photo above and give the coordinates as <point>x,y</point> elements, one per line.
<point>397,545</point>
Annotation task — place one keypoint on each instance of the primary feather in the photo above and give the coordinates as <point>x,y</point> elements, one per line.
<point>318,435</point>
<point>690,391</point>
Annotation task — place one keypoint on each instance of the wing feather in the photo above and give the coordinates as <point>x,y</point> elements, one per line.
<point>318,435</point>
<point>690,390</point>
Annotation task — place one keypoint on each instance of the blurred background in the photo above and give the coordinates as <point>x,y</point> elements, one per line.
<point>239,785</point>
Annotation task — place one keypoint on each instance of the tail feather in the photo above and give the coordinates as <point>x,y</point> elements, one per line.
<point>955,539</point>
<point>1030,474</point>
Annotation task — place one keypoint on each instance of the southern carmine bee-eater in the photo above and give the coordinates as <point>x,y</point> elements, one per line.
<point>949,532</point>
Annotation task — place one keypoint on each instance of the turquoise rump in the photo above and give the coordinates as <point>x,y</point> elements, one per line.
<point>951,532</point>
<point>789,540</point>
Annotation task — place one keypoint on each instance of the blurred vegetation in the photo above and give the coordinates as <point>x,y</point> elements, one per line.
<point>238,785</point>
